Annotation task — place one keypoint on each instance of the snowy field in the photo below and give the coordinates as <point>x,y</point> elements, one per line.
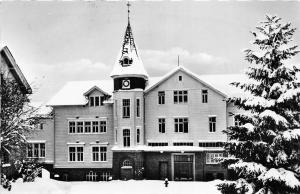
<point>49,186</point>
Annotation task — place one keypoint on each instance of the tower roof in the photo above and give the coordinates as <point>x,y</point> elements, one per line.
<point>129,62</point>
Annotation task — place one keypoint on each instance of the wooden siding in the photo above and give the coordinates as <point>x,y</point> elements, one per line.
<point>46,134</point>
<point>62,136</point>
<point>196,111</point>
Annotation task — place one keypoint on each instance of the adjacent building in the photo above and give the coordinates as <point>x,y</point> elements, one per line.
<point>134,126</point>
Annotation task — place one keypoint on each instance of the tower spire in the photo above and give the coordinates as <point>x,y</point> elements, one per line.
<point>128,9</point>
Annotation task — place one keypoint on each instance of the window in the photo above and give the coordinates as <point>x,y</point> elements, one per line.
<point>180,96</point>
<point>180,78</point>
<point>161,97</point>
<point>102,126</point>
<point>91,176</point>
<point>126,108</point>
<point>87,126</point>
<point>36,150</point>
<point>155,144</point>
<point>75,154</point>
<point>212,158</point>
<point>181,125</point>
<point>95,126</point>
<point>92,101</point>
<point>162,125</point>
<point>204,96</point>
<point>183,144</point>
<point>79,127</point>
<point>138,107</point>
<point>138,135</point>
<point>99,153</point>
<point>237,122</point>
<point>126,163</point>
<point>72,128</point>
<point>212,124</point>
<point>211,144</point>
<point>102,98</point>
<point>116,135</point>
<point>126,138</point>
<point>97,101</point>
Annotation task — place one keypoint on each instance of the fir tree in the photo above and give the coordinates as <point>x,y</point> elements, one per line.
<point>265,148</point>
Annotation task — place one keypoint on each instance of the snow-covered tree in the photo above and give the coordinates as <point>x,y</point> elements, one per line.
<point>17,120</point>
<point>264,151</point>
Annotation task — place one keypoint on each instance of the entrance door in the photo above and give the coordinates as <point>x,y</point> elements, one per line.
<point>163,170</point>
<point>183,167</point>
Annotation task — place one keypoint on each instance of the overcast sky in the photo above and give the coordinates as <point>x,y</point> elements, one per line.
<point>56,42</point>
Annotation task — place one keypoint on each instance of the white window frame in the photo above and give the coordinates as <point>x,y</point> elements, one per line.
<point>99,153</point>
<point>76,152</point>
<point>126,109</point>
<point>99,126</point>
<point>161,124</point>
<point>204,96</point>
<point>32,143</point>
<point>212,124</point>
<point>181,123</point>
<point>98,102</point>
<point>211,157</point>
<point>177,94</point>
<point>126,136</point>
<point>138,128</point>
<point>91,176</point>
<point>161,97</point>
<point>138,107</point>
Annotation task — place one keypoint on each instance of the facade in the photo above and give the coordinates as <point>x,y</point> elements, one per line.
<point>134,126</point>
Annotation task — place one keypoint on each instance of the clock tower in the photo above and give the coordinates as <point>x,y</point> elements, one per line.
<point>130,79</point>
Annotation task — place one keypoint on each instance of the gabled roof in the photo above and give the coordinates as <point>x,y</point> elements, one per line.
<point>72,93</point>
<point>182,69</point>
<point>95,88</point>
<point>129,50</point>
<point>15,70</point>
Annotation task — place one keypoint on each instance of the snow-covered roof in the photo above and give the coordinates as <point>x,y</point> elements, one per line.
<point>72,93</point>
<point>129,50</point>
<point>15,70</point>
<point>183,69</point>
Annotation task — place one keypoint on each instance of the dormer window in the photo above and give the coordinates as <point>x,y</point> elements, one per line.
<point>126,62</point>
<point>97,100</point>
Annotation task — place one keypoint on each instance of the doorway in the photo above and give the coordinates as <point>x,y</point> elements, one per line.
<point>183,167</point>
<point>163,170</point>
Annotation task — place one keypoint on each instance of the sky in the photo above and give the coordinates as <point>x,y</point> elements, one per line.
<point>56,42</point>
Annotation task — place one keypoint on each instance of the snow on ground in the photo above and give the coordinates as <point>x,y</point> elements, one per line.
<point>49,186</point>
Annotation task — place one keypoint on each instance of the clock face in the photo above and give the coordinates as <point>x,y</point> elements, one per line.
<point>126,84</point>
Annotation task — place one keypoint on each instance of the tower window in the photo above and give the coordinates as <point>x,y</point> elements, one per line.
<point>126,108</point>
<point>138,135</point>
<point>126,61</point>
<point>126,138</point>
<point>180,78</point>
<point>138,108</point>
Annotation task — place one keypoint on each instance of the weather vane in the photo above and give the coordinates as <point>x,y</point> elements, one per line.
<point>128,5</point>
